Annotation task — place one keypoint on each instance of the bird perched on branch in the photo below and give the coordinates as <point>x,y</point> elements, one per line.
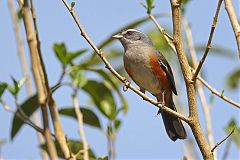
<point>150,71</point>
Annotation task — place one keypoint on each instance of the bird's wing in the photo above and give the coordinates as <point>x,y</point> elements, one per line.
<point>167,69</point>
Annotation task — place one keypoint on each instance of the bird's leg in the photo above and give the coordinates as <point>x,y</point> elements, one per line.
<point>142,90</point>
<point>126,85</point>
<point>161,102</point>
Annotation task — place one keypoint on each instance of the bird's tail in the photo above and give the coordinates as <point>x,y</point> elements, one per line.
<point>173,125</point>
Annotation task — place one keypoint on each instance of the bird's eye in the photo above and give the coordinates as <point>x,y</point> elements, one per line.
<point>129,33</point>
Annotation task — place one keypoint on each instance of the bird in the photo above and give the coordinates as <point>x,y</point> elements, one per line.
<point>149,69</point>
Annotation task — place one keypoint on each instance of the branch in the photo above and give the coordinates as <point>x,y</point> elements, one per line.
<point>166,36</point>
<point>234,21</point>
<point>114,72</point>
<point>24,118</point>
<point>223,140</point>
<point>80,125</point>
<point>24,67</point>
<point>205,106</point>
<point>31,38</point>
<point>48,98</point>
<point>209,42</point>
<point>191,92</point>
<point>214,91</point>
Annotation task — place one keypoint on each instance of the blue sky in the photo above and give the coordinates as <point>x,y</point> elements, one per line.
<point>142,134</point>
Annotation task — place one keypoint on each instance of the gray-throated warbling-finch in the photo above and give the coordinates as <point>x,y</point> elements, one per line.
<point>150,71</point>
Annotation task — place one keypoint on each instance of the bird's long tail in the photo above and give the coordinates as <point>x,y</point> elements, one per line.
<point>173,125</point>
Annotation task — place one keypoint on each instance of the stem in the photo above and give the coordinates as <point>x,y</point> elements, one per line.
<point>80,125</point>
<point>48,99</point>
<point>205,106</point>
<point>209,41</point>
<point>32,43</point>
<point>220,95</point>
<point>233,19</point>
<point>191,93</point>
<point>25,68</point>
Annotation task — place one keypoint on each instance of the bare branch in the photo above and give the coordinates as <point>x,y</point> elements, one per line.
<point>48,98</point>
<point>214,91</point>
<point>233,19</point>
<point>24,118</point>
<point>205,105</point>
<point>223,140</point>
<point>32,43</point>
<point>209,42</point>
<point>166,36</point>
<point>191,92</point>
<point>80,125</point>
<point>25,68</point>
<point>117,75</point>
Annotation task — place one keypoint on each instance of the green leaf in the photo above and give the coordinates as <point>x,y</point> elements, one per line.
<point>159,41</point>
<point>233,79</point>
<point>19,14</point>
<point>17,85</point>
<point>60,51</point>
<point>72,55</point>
<point>3,87</point>
<point>117,124</point>
<point>72,4</point>
<point>236,135</point>
<point>102,97</point>
<point>78,77</point>
<point>103,158</point>
<point>185,158</point>
<point>64,56</point>
<point>28,107</point>
<point>108,77</point>
<point>74,146</point>
<point>183,5</point>
<point>89,117</point>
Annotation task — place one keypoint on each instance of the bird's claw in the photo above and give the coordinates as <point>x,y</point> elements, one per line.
<point>161,105</point>
<point>126,85</point>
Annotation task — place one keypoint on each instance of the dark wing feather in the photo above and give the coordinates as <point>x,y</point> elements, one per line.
<point>167,69</point>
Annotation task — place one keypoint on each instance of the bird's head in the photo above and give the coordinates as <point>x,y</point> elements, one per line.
<point>132,36</point>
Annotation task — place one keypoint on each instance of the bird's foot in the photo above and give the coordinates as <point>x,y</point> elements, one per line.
<point>160,105</point>
<point>126,85</point>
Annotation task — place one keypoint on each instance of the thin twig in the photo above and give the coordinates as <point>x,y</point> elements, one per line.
<point>209,41</point>
<point>191,92</point>
<point>117,75</point>
<point>166,36</point>
<point>233,19</point>
<point>80,125</point>
<point>220,95</point>
<point>24,118</point>
<point>205,105</point>
<point>223,140</point>
<point>25,68</point>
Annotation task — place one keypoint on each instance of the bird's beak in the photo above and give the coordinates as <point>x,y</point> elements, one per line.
<point>118,36</point>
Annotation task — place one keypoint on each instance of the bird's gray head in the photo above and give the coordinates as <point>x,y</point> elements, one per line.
<point>132,37</point>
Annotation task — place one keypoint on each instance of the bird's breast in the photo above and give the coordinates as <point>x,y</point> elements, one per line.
<point>138,66</point>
